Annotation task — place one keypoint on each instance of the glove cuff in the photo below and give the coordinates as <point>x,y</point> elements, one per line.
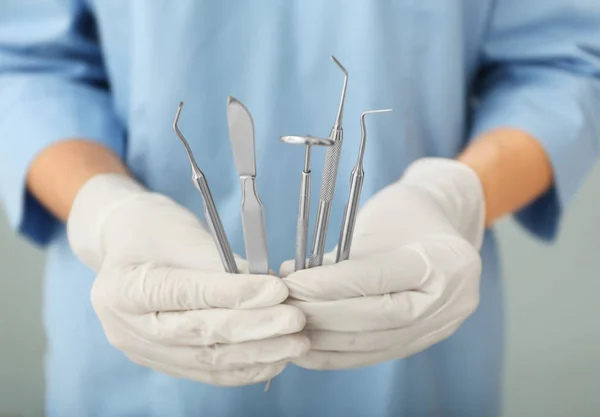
<point>93,204</point>
<point>457,188</point>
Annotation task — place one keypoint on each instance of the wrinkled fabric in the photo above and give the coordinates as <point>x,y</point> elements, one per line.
<point>115,71</point>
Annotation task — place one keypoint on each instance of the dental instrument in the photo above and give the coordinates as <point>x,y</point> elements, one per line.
<point>210,210</point>
<point>330,169</point>
<point>241,134</point>
<point>304,201</point>
<point>356,181</point>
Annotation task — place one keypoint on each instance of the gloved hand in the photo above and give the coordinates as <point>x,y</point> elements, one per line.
<point>413,273</point>
<point>162,295</point>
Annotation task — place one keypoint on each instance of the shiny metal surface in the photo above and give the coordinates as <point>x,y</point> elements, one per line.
<point>330,169</point>
<point>210,210</point>
<point>304,201</point>
<point>356,181</point>
<point>241,134</point>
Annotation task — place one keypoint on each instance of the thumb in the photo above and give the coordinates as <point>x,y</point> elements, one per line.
<point>289,266</point>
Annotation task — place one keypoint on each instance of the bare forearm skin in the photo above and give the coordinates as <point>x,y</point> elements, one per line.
<point>513,168</point>
<point>59,171</point>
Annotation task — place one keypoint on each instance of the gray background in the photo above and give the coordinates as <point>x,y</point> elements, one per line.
<point>553,335</point>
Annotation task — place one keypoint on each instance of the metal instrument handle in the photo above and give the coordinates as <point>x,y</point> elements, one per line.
<point>330,169</point>
<point>215,226</point>
<point>350,212</point>
<point>302,225</point>
<point>253,224</point>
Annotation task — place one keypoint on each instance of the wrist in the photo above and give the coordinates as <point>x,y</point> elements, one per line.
<point>95,201</point>
<point>59,171</point>
<point>457,189</point>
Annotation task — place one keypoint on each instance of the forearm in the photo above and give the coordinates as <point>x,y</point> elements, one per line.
<point>513,168</point>
<point>58,172</point>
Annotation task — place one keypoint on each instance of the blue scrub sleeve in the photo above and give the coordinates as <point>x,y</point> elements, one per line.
<point>541,74</point>
<point>52,87</point>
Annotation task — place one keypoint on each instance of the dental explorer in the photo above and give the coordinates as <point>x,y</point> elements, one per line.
<point>210,210</point>
<point>330,169</point>
<point>304,201</point>
<point>356,181</point>
<point>241,134</point>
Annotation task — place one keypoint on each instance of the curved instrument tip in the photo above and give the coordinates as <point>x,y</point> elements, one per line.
<point>363,114</point>
<point>231,100</point>
<point>339,64</point>
<point>185,143</point>
<point>177,114</point>
<point>340,114</point>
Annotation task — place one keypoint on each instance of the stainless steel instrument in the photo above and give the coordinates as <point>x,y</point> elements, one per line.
<point>330,169</point>
<point>241,133</point>
<point>356,181</point>
<point>210,210</point>
<point>304,202</point>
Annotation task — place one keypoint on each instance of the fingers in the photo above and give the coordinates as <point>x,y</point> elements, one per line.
<point>235,377</point>
<point>288,266</point>
<point>392,311</point>
<point>385,312</point>
<point>378,340</point>
<point>318,360</point>
<point>400,270</point>
<point>207,327</point>
<point>226,357</point>
<point>384,292</point>
<point>149,287</point>
<point>330,360</point>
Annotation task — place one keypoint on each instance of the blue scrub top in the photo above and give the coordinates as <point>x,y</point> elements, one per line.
<point>114,71</point>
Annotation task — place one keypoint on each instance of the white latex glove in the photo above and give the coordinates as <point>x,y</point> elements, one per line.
<point>162,295</point>
<point>413,273</point>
